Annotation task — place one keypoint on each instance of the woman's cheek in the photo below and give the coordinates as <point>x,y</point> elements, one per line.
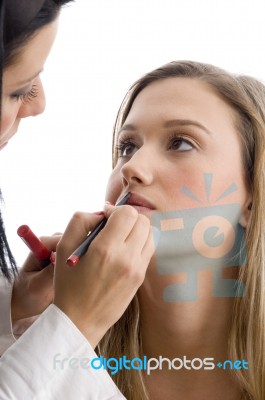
<point>114,186</point>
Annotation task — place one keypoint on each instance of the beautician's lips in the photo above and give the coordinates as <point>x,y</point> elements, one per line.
<point>140,202</point>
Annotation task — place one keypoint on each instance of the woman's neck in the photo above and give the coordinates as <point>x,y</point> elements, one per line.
<point>186,331</point>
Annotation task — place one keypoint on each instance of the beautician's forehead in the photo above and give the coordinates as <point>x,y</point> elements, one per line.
<point>32,57</point>
<point>13,81</point>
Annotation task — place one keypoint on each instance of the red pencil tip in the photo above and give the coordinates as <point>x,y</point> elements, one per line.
<point>72,260</point>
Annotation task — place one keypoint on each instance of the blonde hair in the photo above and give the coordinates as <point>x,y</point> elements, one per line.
<point>247,337</point>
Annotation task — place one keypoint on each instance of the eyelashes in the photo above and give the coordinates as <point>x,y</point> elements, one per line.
<point>123,145</point>
<point>180,143</point>
<point>127,147</point>
<point>28,96</point>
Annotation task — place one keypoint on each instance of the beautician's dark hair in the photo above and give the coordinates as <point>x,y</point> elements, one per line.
<point>6,258</point>
<point>19,22</point>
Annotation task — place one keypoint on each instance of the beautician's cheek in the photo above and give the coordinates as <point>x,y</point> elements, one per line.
<point>8,118</point>
<point>114,186</point>
<point>6,124</point>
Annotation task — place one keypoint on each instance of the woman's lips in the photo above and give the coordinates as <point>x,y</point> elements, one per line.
<point>140,203</point>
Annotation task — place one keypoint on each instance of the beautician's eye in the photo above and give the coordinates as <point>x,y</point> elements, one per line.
<point>180,144</point>
<point>126,148</point>
<point>26,96</point>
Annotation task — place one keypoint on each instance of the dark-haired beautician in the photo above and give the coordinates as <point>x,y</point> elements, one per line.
<point>48,360</point>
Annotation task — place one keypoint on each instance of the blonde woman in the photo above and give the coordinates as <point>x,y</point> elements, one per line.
<point>190,137</point>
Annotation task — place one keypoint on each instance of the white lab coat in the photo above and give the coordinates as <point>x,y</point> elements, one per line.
<point>33,367</point>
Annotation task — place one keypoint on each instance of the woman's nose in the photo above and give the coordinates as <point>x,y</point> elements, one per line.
<point>138,170</point>
<point>35,105</point>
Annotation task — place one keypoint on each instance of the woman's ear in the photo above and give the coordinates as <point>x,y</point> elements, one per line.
<point>246,214</point>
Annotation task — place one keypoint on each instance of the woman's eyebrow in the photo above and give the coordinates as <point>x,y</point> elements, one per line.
<point>172,123</point>
<point>127,127</point>
<point>183,122</point>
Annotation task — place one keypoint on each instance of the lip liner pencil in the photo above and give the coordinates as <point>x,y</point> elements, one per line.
<point>35,245</point>
<point>82,249</point>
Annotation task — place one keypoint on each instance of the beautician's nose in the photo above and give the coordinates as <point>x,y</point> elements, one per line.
<point>139,169</point>
<point>36,105</point>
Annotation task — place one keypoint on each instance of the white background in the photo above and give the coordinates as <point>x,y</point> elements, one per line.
<point>59,162</point>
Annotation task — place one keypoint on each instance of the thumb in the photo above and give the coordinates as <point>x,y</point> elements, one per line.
<point>46,276</point>
<point>77,230</point>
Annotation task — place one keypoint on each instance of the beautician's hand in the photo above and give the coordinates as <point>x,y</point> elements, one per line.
<point>95,293</point>
<point>33,286</point>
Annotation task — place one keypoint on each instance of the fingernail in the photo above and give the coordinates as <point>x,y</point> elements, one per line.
<point>99,213</point>
<point>107,205</point>
<point>52,257</point>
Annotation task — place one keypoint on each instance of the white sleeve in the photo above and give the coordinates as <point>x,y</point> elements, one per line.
<point>9,333</point>
<point>50,361</point>
<point>6,335</point>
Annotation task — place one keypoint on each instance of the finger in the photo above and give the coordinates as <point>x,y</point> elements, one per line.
<point>43,281</point>
<point>139,233</point>
<point>51,241</point>
<point>47,275</point>
<point>120,223</point>
<point>32,263</point>
<point>108,209</point>
<point>151,243</point>
<point>77,230</point>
